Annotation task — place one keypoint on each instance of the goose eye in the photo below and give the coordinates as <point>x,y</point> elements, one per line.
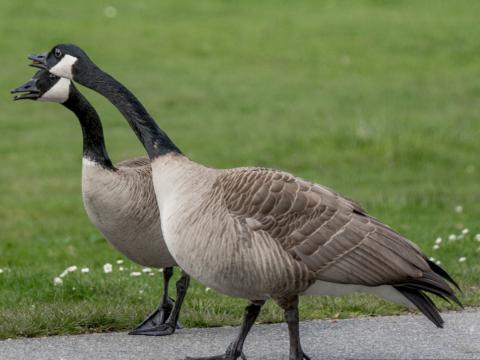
<point>58,53</point>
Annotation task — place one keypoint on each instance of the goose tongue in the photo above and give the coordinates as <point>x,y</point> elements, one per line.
<point>29,90</point>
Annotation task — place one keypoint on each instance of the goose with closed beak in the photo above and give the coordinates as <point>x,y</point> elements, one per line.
<point>258,233</point>
<point>119,200</point>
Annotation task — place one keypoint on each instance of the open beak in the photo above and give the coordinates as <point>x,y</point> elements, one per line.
<point>29,90</point>
<point>39,60</point>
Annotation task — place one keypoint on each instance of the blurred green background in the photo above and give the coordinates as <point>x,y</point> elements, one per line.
<point>375,99</point>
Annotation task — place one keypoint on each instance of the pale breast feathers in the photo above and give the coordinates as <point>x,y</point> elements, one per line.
<point>332,235</point>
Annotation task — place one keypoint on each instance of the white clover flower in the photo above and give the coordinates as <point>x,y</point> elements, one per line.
<point>119,262</point>
<point>140,291</point>
<point>207,289</point>
<point>462,259</point>
<point>151,274</point>
<point>1,271</point>
<point>72,268</point>
<point>465,231</point>
<point>107,268</point>
<point>436,247</point>
<point>110,11</point>
<point>64,273</point>
<point>431,258</point>
<point>146,270</point>
<point>160,270</point>
<point>477,237</point>
<point>438,262</point>
<point>452,237</point>
<point>135,273</point>
<point>121,268</point>
<point>57,281</point>
<point>458,209</point>
<point>438,240</point>
<point>85,270</point>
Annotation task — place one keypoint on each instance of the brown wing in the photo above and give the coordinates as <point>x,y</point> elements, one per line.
<point>330,234</point>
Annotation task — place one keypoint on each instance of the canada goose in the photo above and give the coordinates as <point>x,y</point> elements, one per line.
<point>119,200</point>
<point>259,233</point>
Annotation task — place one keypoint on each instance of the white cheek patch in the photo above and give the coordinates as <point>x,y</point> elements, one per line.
<point>64,67</point>
<point>58,92</point>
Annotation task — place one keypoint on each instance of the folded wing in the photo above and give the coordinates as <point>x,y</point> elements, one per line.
<point>332,235</point>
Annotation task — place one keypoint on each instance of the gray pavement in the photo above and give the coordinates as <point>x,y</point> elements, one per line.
<point>396,337</point>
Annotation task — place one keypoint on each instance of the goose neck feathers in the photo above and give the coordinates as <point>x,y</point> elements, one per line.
<point>154,139</point>
<point>93,140</point>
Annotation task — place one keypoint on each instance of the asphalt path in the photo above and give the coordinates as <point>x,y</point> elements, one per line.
<point>391,337</point>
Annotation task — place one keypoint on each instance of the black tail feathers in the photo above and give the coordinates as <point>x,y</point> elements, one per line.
<point>432,282</point>
<point>423,303</point>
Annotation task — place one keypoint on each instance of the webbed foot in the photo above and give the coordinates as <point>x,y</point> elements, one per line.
<point>302,356</point>
<point>219,357</point>
<point>154,321</point>
<point>160,330</point>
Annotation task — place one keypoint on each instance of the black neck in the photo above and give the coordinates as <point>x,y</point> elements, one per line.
<point>93,141</point>
<point>154,139</point>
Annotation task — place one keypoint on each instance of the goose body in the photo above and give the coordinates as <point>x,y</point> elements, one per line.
<point>261,233</point>
<point>269,233</point>
<point>225,255</point>
<point>119,200</point>
<point>121,204</point>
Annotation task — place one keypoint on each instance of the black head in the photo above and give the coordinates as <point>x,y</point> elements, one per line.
<point>45,86</point>
<point>62,60</point>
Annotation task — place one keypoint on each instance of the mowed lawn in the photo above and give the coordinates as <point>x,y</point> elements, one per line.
<point>379,100</point>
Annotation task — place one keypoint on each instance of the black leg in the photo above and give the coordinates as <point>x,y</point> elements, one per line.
<point>169,326</point>
<point>290,306</point>
<point>234,350</point>
<point>162,313</point>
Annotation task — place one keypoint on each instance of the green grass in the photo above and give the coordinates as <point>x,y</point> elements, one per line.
<point>376,99</point>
